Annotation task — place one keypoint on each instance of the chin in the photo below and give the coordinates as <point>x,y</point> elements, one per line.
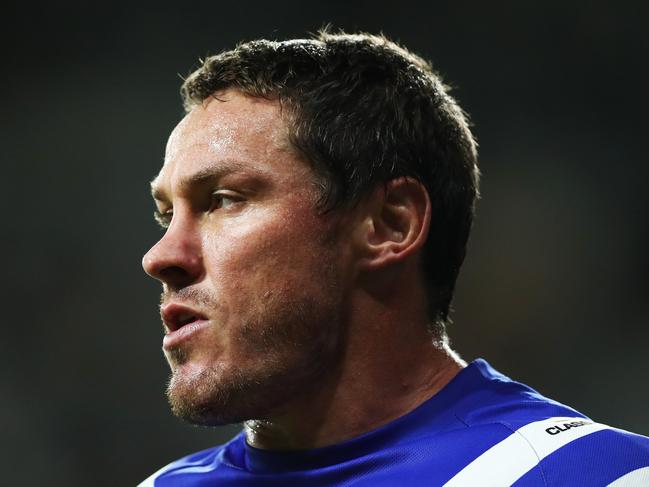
<point>201,396</point>
<point>214,396</point>
<point>265,369</point>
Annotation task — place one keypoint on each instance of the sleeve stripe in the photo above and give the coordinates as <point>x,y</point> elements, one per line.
<point>635,478</point>
<point>150,481</point>
<point>507,461</point>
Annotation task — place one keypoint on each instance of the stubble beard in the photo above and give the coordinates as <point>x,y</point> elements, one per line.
<point>295,343</point>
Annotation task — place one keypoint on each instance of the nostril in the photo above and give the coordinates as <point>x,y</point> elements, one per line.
<point>174,276</point>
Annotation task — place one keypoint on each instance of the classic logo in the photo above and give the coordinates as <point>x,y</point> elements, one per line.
<point>555,430</point>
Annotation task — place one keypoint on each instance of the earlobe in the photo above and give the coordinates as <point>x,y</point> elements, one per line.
<point>396,223</point>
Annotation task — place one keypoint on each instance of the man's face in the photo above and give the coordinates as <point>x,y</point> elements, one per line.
<point>253,275</point>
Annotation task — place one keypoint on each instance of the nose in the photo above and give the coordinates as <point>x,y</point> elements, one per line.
<point>176,259</point>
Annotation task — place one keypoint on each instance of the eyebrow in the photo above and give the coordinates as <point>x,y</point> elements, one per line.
<point>203,176</point>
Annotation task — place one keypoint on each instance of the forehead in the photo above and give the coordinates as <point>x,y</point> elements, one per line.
<point>231,129</point>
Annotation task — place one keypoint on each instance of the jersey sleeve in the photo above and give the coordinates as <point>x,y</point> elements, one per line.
<point>603,456</point>
<point>560,451</point>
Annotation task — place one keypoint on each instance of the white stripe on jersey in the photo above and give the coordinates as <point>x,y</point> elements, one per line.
<point>513,457</point>
<point>635,478</point>
<point>150,481</point>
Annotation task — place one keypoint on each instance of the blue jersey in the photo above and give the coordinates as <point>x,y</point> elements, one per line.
<point>481,429</point>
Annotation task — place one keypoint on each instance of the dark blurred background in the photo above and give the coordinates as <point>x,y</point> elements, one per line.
<point>554,291</point>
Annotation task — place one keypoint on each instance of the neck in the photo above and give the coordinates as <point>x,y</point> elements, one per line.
<point>388,369</point>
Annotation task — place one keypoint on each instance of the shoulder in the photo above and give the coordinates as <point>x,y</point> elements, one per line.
<point>560,451</point>
<point>205,461</point>
<point>540,442</point>
<point>192,461</point>
<point>582,452</point>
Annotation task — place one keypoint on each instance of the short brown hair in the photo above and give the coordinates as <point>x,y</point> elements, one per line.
<point>363,111</point>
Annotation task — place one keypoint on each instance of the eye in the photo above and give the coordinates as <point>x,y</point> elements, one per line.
<point>224,200</point>
<point>163,219</point>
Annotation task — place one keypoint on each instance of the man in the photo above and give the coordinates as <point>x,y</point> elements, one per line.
<point>317,199</point>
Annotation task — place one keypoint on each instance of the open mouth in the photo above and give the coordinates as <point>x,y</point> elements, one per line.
<point>186,320</point>
<point>176,316</point>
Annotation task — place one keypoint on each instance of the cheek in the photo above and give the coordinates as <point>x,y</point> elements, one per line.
<point>270,250</point>
<point>275,285</point>
<point>269,279</point>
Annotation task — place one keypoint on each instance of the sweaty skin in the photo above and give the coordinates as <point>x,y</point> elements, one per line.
<point>312,336</point>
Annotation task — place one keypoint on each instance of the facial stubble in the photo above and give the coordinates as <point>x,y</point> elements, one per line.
<point>291,343</point>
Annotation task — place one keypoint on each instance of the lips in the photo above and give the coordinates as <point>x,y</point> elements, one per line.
<point>176,316</point>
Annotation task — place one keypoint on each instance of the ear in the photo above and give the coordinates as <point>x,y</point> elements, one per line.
<point>395,224</point>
